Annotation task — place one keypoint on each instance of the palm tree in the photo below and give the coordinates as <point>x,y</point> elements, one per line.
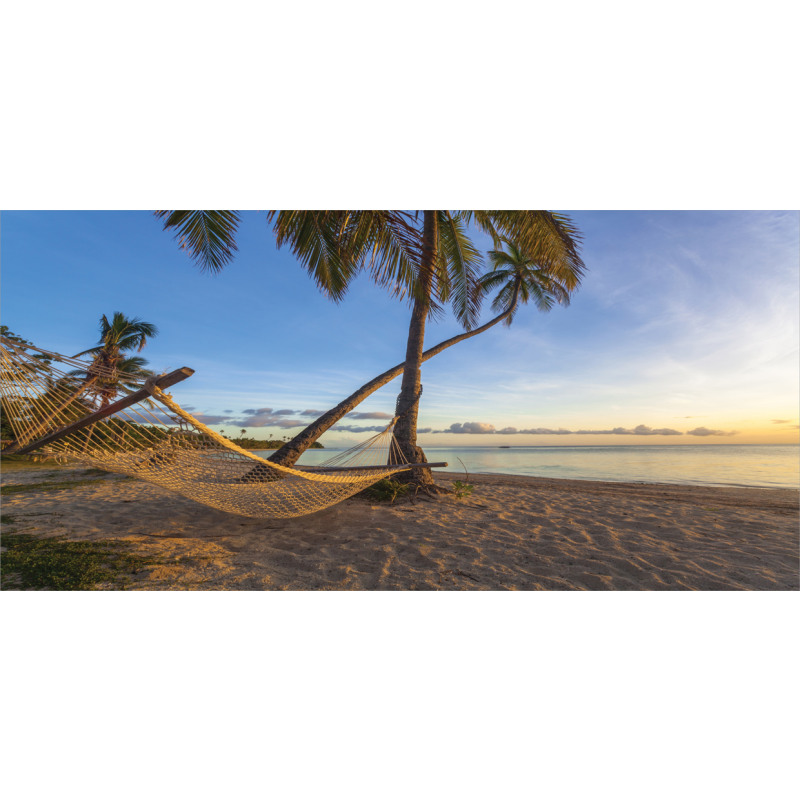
<point>112,368</point>
<point>432,262</point>
<point>16,411</point>
<point>519,280</point>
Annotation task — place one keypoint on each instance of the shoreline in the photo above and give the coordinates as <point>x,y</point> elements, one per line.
<point>512,532</point>
<point>628,483</point>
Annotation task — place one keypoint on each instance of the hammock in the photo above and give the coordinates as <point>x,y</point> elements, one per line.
<point>91,413</point>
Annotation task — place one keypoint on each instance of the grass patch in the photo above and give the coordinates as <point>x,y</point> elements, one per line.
<point>31,463</point>
<point>47,486</point>
<point>33,562</point>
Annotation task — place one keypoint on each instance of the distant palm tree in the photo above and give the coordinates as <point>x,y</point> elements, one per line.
<point>112,368</point>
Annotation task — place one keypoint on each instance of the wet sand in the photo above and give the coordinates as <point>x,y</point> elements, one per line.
<point>512,533</point>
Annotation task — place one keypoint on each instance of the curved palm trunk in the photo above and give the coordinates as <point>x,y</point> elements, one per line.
<point>288,453</point>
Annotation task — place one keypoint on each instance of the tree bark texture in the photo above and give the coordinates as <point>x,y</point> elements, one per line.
<point>405,430</point>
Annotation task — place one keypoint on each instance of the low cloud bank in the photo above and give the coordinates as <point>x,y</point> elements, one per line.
<point>709,432</point>
<point>639,430</point>
<point>360,429</point>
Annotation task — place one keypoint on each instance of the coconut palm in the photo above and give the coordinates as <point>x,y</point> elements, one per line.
<point>427,257</point>
<point>112,368</point>
<point>15,412</point>
<point>517,278</point>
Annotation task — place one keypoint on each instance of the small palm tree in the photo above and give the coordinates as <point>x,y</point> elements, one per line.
<point>521,279</point>
<point>112,368</point>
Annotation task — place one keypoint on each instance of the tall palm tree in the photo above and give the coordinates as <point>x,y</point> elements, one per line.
<point>427,257</point>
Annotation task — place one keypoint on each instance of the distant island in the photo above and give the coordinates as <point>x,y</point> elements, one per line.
<point>267,444</point>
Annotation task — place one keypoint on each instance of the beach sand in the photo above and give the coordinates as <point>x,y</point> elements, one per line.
<point>511,533</point>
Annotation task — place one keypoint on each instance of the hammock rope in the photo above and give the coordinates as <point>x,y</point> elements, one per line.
<point>87,412</point>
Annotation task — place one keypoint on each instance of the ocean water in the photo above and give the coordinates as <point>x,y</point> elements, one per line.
<point>774,466</point>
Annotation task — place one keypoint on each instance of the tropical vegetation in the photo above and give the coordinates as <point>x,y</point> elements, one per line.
<point>112,367</point>
<point>427,257</point>
<point>77,394</point>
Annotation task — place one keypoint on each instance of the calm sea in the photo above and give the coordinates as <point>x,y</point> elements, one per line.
<point>776,466</point>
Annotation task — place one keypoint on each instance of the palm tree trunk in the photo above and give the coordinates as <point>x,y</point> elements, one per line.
<point>405,430</point>
<point>288,453</point>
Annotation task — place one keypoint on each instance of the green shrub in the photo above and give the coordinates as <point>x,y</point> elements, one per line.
<point>461,489</point>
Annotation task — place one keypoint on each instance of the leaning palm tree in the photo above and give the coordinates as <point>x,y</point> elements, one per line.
<point>517,279</point>
<point>427,257</point>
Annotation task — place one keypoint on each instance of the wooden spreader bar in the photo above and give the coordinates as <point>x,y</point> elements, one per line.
<point>163,382</point>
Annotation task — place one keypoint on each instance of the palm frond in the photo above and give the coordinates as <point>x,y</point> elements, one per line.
<point>318,239</point>
<point>391,242</point>
<point>507,299</point>
<point>550,239</point>
<point>208,236</point>
<point>491,280</point>
<point>461,261</point>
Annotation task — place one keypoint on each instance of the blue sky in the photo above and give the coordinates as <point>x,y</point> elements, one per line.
<point>685,330</point>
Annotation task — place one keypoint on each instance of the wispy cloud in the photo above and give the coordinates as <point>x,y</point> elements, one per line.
<point>369,415</point>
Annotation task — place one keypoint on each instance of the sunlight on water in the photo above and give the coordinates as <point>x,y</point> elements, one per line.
<point>776,466</point>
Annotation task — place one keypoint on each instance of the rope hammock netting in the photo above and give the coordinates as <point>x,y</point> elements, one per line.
<point>90,413</point>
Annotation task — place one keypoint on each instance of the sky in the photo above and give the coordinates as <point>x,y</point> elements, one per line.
<point>684,331</point>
